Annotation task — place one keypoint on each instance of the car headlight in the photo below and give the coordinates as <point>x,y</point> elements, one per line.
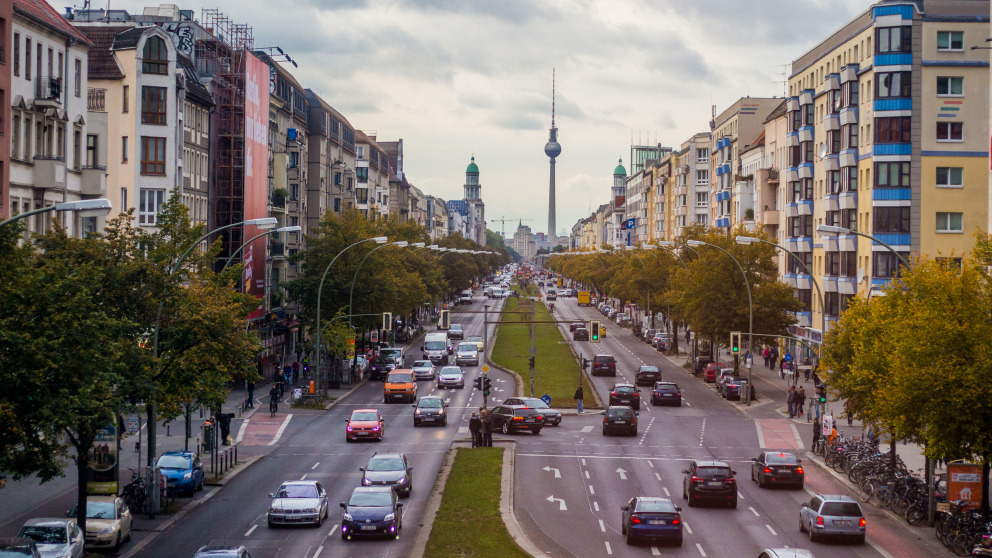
<point>366,481</point>
<point>418,412</point>
<point>346,516</point>
<point>106,531</point>
<point>187,475</point>
<point>402,480</point>
<point>389,517</point>
<point>441,412</point>
<point>310,510</point>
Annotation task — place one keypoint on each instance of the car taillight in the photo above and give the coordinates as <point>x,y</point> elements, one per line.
<point>799,470</point>
<point>861,523</point>
<point>605,421</point>
<point>613,394</point>
<point>676,521</point>
<point>730,480</point>
<point>819,521</point>
<point>518,418</point>
<point>696,479</point>
<point>635,519</point>
<point>767,470</point>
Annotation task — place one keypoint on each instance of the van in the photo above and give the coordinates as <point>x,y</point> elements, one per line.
<point>436,347</point>
<point>552,295</point>
<point>466,297</point>
<point>401,384</point>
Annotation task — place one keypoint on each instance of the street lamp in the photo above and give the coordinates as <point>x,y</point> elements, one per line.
<point>294,228</point>
<point>351,295</point>
<point>832,230</point>
<point>85,208</point>
<point>750,307</point>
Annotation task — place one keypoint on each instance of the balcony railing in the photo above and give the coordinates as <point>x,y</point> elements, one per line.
<point>48,89</point>
<point>96,100</point>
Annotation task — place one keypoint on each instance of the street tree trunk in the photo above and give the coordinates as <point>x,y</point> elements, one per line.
<point>82,443</point>
<point>985,483</point>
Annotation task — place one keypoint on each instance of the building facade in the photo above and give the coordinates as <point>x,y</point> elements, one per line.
<point>331,161</point>
<point>475,207</point>
<point>6,73</point>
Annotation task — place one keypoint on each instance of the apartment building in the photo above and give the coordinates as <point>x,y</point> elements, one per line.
<point>662,197</point>
<point>887,136</point>
<point>371,177</point>
<point>638,202</point>
<point>614,223</point>
<point>437,217</point>
<point>767,163</point>
<point>6,72</point>
<point>692,183</point>
<point>331,161</point>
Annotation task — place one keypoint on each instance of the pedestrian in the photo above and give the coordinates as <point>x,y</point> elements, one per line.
<point>847,412</point>
<point>224,420</point>
<point>296,371</point>
<point>475,428</point>
<point>791,401</point>
<point>250,388</point>
<point>800,400</point>
<point>816,433</point>
<point>816,380</point>
<point>578,399</point>
<point>833,436</point>
<point>487,429</point>
<point>767,354</point>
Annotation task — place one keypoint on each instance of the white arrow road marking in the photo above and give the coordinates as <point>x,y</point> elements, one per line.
<point>623,474</point>
<point>557,472</point>
<point>586,429</point>
<point>561,503</point>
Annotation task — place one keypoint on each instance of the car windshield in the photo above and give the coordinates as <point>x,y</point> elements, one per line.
<point>623,389</point>
<point>400,378</point>
<point>467,347</point>
<point>435,345</point>
<point>297,491</point>
<point>422,364</point>
<point>385,464</point>
<point>843,509</point>
<point>666,388</point>
<point>622,413</point>
<point>95,510</point>
<point>781,458</point>
<point>455,327</point>
<point>655,506</point>
<point>451,371</point>
<point>475,339</point>
<point>389,352</point>
<point>604,360</point>
<point>43,535</point>
<point>364,415</point>
<point>431,403</point>
<point>713,472</point>
<point>649,369</point>
<point>173,462</point>
<point>536,403</point>
<point>371,500</point>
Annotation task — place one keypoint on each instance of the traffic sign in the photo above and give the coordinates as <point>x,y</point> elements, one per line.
<point>485,368</point>
<point>132,424</point>
<point>546,398</point>
<point>374,335</point>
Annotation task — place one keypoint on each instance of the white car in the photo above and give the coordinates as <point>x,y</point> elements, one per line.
<point>108,521</point>
<point>298,502</point>
<point>55,538</point>
<point>423,370</point>
<point>467,353</point>
<point>450,377</point>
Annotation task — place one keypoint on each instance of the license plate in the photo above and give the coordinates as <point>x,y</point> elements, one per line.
<point>842,522</point>
<point>714,483</point>
<point>292,517</point>
<point>428,419</point>
<point>529,420</point>
<point>657,522</point>
<point>368,527</point>
<point>620,422</point>
<point>361,433</point>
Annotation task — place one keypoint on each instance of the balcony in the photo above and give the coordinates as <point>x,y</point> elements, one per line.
<point>48,92</point>
<point>94,182</point>
<point>49,172</point>
<point>773,176</point>
<point>277,250</point>
<point>96,100</point>
<point>770,217</point>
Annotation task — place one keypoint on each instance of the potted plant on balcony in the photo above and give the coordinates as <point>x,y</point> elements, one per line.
<point>749,213</point>
<point>279,196</point>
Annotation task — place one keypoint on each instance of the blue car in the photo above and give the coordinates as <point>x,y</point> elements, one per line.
<point>372,511</point>
<point>183,471</point>
<point>653,519</point>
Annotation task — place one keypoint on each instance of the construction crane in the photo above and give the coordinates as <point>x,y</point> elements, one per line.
<point>502,221</point>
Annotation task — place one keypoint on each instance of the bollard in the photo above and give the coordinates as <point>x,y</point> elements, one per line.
<point>168,429</point>
<point>235,454</point>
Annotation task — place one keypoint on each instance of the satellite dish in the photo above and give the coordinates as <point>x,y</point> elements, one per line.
<point>822,151</point>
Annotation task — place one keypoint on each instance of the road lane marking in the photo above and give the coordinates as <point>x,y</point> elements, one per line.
<point>587,474</point>
<point>771,530</point>
<point>592,490</point>
<point>608,549</point>
<point>761,435</point>
<point>799,441</point>
<point>319,549</point>
<point>754,511</point>
<point>650,464</point>
<point>602,526</point>
<point>282,428</point>
<point>304,477</point>
<point>687,529</point>
<point>253,527</point>
<point>667,493</point>
<point>315,465</point>
<point>740,495</point>
<point>700,548</point>
<point>595,505</point>
<point>656,475</point>
<point>333,529</point>
<point>583,462</point>
<point>241,431</point>
<point>586,429</point>
<point>702,432</point>
<point>655,551</point>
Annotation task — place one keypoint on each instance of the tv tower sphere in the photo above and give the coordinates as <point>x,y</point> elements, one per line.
<point>552,148</point>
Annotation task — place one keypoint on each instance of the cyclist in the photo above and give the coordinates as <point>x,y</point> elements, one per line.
<point>274,399</point>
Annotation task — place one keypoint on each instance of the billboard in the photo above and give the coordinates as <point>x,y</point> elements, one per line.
<point>102,466</point>
<point>256,168</point>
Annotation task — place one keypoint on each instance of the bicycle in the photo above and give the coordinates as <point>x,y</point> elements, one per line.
<point>134,492</point>
<point>273,407</point>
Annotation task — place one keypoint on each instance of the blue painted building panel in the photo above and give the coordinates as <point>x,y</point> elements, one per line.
<point>898,59</point>
<point>892,149</point>
<point>891,194</point>
<point>893,104</point>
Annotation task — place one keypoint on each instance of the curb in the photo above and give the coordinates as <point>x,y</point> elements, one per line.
<point>506,504</point>
<point>433,504</point>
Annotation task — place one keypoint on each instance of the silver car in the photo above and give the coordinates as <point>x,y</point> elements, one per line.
<point>55,538</point>
<point>832,514</point>
<point>298,502</point>
<point>450,377</point>
<point>423,370</point>
<point>467,353</point>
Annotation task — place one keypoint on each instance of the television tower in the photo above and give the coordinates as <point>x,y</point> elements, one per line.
<point>552,149</point>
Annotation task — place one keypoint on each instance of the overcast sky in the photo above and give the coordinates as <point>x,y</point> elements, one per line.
<point>457,78</point>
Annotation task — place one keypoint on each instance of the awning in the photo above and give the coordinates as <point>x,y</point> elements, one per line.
<point>292,324</point>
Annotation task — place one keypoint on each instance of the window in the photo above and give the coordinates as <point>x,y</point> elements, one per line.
<point>362,195</point>
<point>849,219</point>
<point>124,149</point>
<point>337,179</point>
<point>950,40</point>
<point>892,220</point>
<point>833,182</point>
<point>893,84</point>
<point>149,205</point>
<point>79,77</point>
<point>17,54</point>
<point>801,226</point>
<point>807,114</point>
<point>836,304</point>
<point>806,151</point>
<point>27,59</point>
<point>153,103</point>
<point>362,174</point>
<point>851,94</point>
<point>886,264</point>
<point>894,39</point>
<point>91,155</point>
<point>15,136</point>
<point>702,199</point>
<point>892,175</point>
<point>795,120</point>
<point>77,146</point>
<point>950,131</point>
<point>893,130</point>
<point>155,57</point>
<point>950,86</point>
<point>950,177</point>
<point>950,222</point>
<point>849,136</point>
<point>702,155</point>
<point>294,159</point>
<point>124,98</point>
<point>843,264</point>
<point>152,156</point>
<point>833,142</point>
<point>702,177</point>
<point>337,205</point>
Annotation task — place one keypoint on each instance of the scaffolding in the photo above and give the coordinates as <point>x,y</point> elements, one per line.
<point>224,55</point>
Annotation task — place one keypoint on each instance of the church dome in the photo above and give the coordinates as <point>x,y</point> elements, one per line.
<point>472,167</point>
<point>620,171</point>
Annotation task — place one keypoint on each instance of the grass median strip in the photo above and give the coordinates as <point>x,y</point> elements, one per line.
<point>469,522</point>
<point>556,371</point>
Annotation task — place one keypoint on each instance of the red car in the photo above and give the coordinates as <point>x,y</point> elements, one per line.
<point>711,371</point>
<point>364,424</point>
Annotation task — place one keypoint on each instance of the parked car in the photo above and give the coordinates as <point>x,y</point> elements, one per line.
<point>777,468</point>
<point>734,388</point>
<point>709,481</point>
<point>365,424</point>
<point>108,521</point>
<point>389,469</point>
<point>604,365</point>
<point>552,417</point>
<point>372,511</point>
<point>430,410</point>
<point>711,370</point>
<point>18,547</point>
<point>649,334</point>
<point>625,394</point>
<point>700,364</point>
<point>298,502</point>
<point>786,553</point>
<point>666,393</point>
<point>661,341</point>
<point>183,471</point>
<point>580,334</point>
<point>516,418</point>
<point>223,551</point>
<point>619,419</point>
<point>646,375</point>
<point>55,537</point>
<point>651,519</point>
<point>722,377</point>
<point>832,515</point>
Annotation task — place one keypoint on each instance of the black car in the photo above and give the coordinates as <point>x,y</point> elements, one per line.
<point>777,468</point>
<point>652,519</point>
<point>621,419</point>
<point>666,393</point>
<point>575,325</point>
<point>646,375</point>
<point>389,469</point>
<point>552,417</point>
<point>430,410</point>
<point>709,481</point>
<point>733,387</point>
<point>604,365</point>
<point>515,418</point>
<point>580,334</point>
<point>625,394</point>
<point>372,511</point>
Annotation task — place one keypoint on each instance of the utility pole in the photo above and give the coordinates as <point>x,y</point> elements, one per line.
<point>533,351</point>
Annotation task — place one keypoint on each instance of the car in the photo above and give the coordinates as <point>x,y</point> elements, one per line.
<point>359,363</point>
<point>222,552</point>
<point>666,393</point>
<point>108,521</point>
<point>455,331</point>
<point>625,394</point>
<point>385,361</point>
<point>700,364</point>
<point>183,471</point>
<point>18,547</point>
<point>604,365</point>
<point>661,341</point>
<point>552,295</point>
<point>55,538</point>
<point>733,387</point>
<point>296,502</point>
<point>709,481</point>
<point>389,469</point>
<point>646,375</point>
<point>450,377</point>
<point>832,515</point>
<point>400,385</point>
<point>575,325</point>
<point>648,334</point>
<point>651,519</point>
<point>517,418</point>
<point>710,372</point>
<point>722,377</point>
<point>619,419</point>
<point>479,343</point>
<point>365,424</point>
<point>580,334</point>
<point>467,353</point>
<point>430,410</point>
<point>552,417</point>
<point>424,370</point>
<point>372,511</point>
<point>786,553</point>
<point>465,297</point>
<point>777,468</point>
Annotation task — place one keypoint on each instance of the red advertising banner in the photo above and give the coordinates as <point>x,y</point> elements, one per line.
<point>964,482</point>
<point>256,168</point>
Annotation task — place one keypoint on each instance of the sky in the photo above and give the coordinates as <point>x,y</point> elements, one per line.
<point>462,78</point>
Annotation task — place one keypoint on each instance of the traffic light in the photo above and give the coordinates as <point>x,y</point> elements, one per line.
<point>823,396</point>
<point>445,319</point>
<point>487,385</point>
<point>594,331</point>
<point>530,362</point>
<point>387,320</point>
<point>477,382</point>
<point>585,363</point>
<point>735,342</point>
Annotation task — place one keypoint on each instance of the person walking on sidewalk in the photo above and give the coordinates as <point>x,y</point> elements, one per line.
<point>767,355</point>
<point>578,398</point>
<point>816,433</point>
<point>800,400</point>
<point>250,388</point>
<point>791,401</point>
<point>475,428</point>
<point>487,429</point>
